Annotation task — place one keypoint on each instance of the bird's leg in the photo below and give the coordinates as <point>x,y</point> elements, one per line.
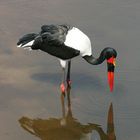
<point>63,120</point>
<point>69,112</point>
<point>62,86</point>
<point>63,105</point>
<point>68,98</point>
<point>68,74</point>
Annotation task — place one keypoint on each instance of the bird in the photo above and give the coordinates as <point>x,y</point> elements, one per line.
<point>66,42</point>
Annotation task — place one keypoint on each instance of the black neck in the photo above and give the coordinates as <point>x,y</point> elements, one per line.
<point>94,61</point>
<point>106,53</point>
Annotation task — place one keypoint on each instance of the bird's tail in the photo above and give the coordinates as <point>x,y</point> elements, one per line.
<point>27,41</point>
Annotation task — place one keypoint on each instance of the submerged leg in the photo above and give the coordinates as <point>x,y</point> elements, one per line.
<point>68,98</point>
<point>63,121</point>
<point>68,74</point>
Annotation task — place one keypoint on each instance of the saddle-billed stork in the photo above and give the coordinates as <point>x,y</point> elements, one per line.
<point>66,42</point>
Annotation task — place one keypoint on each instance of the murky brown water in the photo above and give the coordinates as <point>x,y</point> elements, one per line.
<point>31,107</point>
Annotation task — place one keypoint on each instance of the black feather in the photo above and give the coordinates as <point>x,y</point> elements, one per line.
<point>51,40</point>
<point>37,43</point>
<point>54,34</point>
<point>26,38</point>
<point>53,37</point>
<point>64,52</point>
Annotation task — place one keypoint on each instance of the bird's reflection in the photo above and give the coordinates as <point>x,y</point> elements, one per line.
<point>67,127</point>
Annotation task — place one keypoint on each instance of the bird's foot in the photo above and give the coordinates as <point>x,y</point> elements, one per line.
<point>63,89</point>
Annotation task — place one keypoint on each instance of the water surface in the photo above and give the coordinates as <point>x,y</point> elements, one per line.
<point>29,81</point>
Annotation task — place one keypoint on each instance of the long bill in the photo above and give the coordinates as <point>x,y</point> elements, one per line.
<point>111,67</point>
<point>111,80</point>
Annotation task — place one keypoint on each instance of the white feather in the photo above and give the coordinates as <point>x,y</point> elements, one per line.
<point>28,44</point>
<point>79,41</point>
<point>63,63</point>
<point>19,45</point>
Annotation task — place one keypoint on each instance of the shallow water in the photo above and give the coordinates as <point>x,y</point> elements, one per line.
<point>30,101</point>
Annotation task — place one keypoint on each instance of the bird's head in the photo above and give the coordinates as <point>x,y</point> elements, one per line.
<point>110,56</point>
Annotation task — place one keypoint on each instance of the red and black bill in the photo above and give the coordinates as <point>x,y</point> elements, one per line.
<point>110,69</point>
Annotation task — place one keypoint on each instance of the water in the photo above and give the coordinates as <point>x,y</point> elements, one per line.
<point>30,98</point>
